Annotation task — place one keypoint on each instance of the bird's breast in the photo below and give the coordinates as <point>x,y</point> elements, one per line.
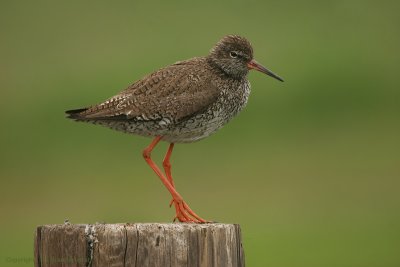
<point>232,99</point>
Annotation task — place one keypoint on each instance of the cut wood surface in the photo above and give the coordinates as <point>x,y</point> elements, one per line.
<point>139,245</point>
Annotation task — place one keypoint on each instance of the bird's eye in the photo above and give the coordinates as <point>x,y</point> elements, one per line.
<point>233,54</point>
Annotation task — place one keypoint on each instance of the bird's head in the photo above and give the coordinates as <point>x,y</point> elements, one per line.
<point>234,55</point>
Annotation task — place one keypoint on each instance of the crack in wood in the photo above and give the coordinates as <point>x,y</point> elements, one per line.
<point>126,244</point>
<point>90,234</point>
<point>137,246</point>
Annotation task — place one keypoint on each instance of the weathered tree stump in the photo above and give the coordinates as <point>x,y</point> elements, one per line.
<point>139,245</point>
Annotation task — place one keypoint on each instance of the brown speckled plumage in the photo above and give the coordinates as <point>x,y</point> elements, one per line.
<point>181,103</point>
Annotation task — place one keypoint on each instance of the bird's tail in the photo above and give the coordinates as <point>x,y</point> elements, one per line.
<point>75,114</point>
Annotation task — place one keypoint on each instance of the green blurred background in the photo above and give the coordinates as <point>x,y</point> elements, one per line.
<point>310,169</point>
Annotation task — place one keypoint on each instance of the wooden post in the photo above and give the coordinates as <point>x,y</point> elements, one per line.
<point>139,245</point>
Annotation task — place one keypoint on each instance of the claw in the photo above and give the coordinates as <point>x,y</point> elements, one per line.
<point>185,214</point>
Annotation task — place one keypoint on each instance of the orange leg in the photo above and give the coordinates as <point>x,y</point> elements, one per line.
<point>167,167</point>
<point>183,212</point>
<point>167,164</point>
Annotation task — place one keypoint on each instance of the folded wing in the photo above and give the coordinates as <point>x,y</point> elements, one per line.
<point>175,92</point>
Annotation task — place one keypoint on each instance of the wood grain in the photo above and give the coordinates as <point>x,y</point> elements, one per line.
<point>139,245</point>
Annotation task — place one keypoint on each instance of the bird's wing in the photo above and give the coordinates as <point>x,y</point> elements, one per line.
<point>175,92</point>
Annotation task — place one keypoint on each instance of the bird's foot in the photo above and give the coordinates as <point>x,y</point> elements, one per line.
<point>184,213</point>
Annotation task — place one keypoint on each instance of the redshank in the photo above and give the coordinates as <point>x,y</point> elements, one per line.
<point>181,103</point>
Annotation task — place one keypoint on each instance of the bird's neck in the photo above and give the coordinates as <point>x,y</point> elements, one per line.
<point>223,71</point>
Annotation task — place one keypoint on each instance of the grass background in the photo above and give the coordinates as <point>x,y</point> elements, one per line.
<point>310,169</point>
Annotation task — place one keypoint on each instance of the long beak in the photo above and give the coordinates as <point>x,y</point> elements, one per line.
<point>257,66</point>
